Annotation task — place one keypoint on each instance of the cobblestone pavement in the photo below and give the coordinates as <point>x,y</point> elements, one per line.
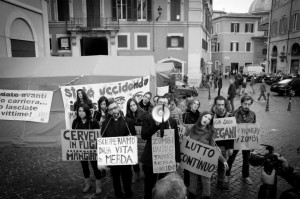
<point>40,173</point>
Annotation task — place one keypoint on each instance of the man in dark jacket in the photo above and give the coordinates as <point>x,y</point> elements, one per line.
<point>150,127</point>
<point>220,109</point>
<point>243,115</point>
<point>231,93</point>
<point>269,187</point>
<point>115,126</point>
<point>220,84</point>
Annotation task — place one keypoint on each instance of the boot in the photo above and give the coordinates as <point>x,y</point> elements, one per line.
<point>87,185</point>
<point>98,187</point>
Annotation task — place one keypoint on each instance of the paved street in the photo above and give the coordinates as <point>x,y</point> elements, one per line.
<point>40,173</point>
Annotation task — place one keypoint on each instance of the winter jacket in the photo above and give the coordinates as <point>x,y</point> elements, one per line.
<point>117,127</point>
<point>90,124</point>
<point>148,129</point>
<point>231,91</point>
<point>244,117</point>
<point>136,117</point>
<point>190,117</point>
<point>148,107</point>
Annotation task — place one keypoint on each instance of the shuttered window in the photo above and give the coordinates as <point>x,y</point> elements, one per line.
<point>63,10</point>
<point>175,42</point>
<point>22,48</point>
<point>235,27</point>
<point>175,10</point>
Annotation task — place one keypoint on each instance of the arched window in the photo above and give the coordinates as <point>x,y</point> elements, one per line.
<point>295,49</point>
<point>274,51</point>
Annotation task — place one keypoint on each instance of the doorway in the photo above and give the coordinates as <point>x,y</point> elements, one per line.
<point>295,67</point>
<point>273,65</point>
<point>234,67</point>
<point>94,46</point>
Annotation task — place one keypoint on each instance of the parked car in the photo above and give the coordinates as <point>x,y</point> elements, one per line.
<point>182,89</point>
<point>290,86</point>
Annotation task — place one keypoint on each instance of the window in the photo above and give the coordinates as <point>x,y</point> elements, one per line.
<point>234,46</point>
<point>264,51</point>
<point>235,27</point>
<point>22,48</point>
<point>218,47</point>
<point>248,46</point>
<point>175,10</point>
<point>123,41</point>
<point>274,27</point>
<point>63,10</point>
<point>218,28</point>
<point>283,25</point>
<point>142,9</point>
<point>142,41</point>
<point>204,45</point>
<point>121,9</point>
<point>64,43</point>
<point>249,27</point>
<point>175,41</point>
<point>295,25</point>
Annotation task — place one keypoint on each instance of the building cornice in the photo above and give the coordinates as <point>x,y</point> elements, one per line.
<point>24,6</point>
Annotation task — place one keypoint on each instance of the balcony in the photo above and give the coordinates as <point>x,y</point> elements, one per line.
<point>88,24</point>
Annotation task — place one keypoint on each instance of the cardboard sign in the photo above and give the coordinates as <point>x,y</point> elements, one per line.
<point>79,145</point>
<point>198,158</point>
<point>25,105</point>
<point>121,91</point>
<point>225,128</point>
<point>249,136</point>
<point>181,132</point>
<point>163,152</point>
<point>117,151</point>
<point>141,142</point>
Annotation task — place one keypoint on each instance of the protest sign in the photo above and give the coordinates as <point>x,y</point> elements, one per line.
<point>141,142</point>
<point>117,151</point>
<point>163,152</point>
<point>25,105</point>
<point>121,91</point>
<point>162,90</point>
<point>248,136</point>
<point>198,158</point>
<point>79,145</point>
<point>225,128</point>
<point>181,132</point>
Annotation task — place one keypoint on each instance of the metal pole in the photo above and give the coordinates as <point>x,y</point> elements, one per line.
<point>267,106</point>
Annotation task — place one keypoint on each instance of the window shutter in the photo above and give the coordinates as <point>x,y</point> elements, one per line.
<point>149,10</point>
<point>218,47</point>
<point>232,27</point>
<point>298,21</point>
<point>246,27</point>
<point>181,42</point>
<point>168,42</point>
<point>114,10</point>
<point>133,10</point>
<point>231,46</point>
<point>59,43</point>
<point>252,27</point>
<point>238,27</point>
<point>237,46</point>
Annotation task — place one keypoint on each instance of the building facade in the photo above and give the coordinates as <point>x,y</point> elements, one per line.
<point>24,28</point>
<point>175,31</point>
<point>237,42</point>
<point>284,40</point>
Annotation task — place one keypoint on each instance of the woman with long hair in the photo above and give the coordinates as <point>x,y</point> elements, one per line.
<point>136,114</point>
<point>192,112</point>
<point>84,120</point>
<point>82,98</point>
<point>102,113</point>
<point>202,131</point>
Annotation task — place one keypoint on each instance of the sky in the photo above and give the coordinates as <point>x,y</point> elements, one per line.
<point>237,6</point>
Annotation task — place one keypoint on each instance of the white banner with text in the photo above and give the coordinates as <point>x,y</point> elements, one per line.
<point>249,136</point>
<point>225,128</point>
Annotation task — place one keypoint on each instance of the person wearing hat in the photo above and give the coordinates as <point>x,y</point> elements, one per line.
<point>145,103</point>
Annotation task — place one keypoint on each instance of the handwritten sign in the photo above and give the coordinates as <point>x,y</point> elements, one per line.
<point>163,152</point>
<point>117,151</point>
<point>225,128</point>
<point>198,158</point>
<point>181,132</point>
<point>79,145</point>
<point>25,105</point>
<point>141,142</point>
<point>249,136</point>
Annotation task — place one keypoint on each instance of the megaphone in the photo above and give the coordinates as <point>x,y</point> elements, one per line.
<point>160,113</point>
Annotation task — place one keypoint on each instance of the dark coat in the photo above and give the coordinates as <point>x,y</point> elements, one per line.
<point>137,117</point>
<point>117,128</point>
<point>148,129</point>
<point>90,124</point>
<point>231,91</point>
<point>190,117</point>
<point>244,117</point>
<point>148,107</point>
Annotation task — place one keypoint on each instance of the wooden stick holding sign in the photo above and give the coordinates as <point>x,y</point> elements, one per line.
<point>117,151</point>
<point>198,158</point>
<point>225,128</point>
<point>249,136</point>
<point>79,145</point>
<point>163,152</point>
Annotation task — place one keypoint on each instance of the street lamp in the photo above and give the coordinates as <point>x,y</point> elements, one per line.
<point>159,9</point>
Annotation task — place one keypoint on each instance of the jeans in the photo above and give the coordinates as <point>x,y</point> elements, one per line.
<point>194,184</point>
<point>262,94</point>
<point>125,173</point>
<point>246,156</point>
<point>86,170</point>
<point>221,169</point>
<point>219,91</point>
<point>231,101</point>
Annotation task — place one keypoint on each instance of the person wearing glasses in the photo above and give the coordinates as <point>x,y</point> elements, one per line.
<point>150,127</point>
<point>115,126</point>
<point>145,103</point>
<point>243,115</point>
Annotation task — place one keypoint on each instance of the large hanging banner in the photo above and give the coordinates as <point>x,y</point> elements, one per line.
<point>121,91</point>
<point>163,152</point>
<point>25,105</point>
<point>79,145</point>
<point>198,158</point>
<point>117,151</point>
<point>249,136</point>
<point>225,128</point>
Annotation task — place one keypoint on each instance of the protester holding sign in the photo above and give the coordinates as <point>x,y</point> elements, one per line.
<point>202,132</point>
<point>149,128</point>
<point>243,115</point>
<point>82,98</point>
<point>116,126</point>
<point>136,114</point>
<point>221,109</point>
<point>84,121</point>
